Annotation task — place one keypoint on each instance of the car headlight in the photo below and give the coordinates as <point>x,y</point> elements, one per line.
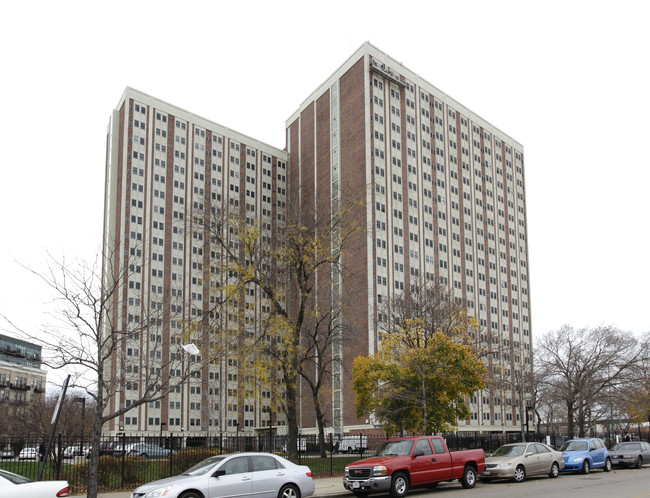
<point>347,471</point>
<point>578,459</point>
<point>379,470</point>
<point>158,492</point>
<point>504,464</point>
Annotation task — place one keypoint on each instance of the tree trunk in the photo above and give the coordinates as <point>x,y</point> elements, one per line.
<point>581,420</point>
<point>569,418</point>
<point>321,430</point>
<point>292,415</point>
<point>93,468</point>
<point>424,406</point>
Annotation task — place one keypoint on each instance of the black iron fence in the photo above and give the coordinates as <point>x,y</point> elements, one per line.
<point>128,461</point>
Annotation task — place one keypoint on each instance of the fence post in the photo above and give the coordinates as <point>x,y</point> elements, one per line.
<point>171,452</point>
<point>123,455</point>
<point>331,456</point>
<point>298,450</point>
<point>58,459</point>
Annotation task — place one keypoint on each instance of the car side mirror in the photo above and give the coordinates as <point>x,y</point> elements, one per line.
<point>530,453</point>
<point>418,453</point>
<point>219,473</point>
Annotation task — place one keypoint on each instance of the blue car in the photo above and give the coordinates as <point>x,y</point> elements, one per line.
<point>584,454</point>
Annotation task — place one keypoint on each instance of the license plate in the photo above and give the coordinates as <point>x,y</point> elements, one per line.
<point>355,484</point>
<point>487,473</point>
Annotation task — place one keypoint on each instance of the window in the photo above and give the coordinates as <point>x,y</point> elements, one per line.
<point>261,463</point>
<point>438,446</point>
<point>423,447</point>
<point>237,465</point>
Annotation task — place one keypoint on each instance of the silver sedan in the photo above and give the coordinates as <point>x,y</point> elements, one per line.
<point>519,460</point>
<point>262,475</point>
<point>630,453</point>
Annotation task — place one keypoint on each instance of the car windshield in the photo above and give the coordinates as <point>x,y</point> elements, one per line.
<point>574,446</point>
<point>395,448</point>
<point>203,467</point>
<point>14,478</point>
<point>627,446</point>
<point>515,450</point>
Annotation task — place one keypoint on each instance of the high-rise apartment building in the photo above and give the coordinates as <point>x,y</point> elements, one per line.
<point>165,165</point>
<point>446,203</point>
<point>442,190</point>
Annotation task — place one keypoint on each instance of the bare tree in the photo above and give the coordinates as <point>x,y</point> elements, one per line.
<point>584,367</point>
<point>90,337</point>
<point>33,419</point>
<point>434,307</point>
<point>633,399</point>
<point>318,360</point>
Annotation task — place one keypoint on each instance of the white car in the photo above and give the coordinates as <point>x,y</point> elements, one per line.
<point>242,474</point>
<point>73,451</point>
<point>15,486</point>
<point>28,454</point>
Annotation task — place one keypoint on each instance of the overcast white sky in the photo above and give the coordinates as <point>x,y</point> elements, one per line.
<point>567,79</point>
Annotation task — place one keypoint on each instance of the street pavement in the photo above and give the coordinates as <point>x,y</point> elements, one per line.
<point>324,486</point>
<point>621,483</point>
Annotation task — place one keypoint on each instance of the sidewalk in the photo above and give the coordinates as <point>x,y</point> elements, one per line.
<point>324,486</point>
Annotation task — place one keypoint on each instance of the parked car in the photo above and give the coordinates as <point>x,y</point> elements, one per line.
<point>28,454</point>
<point>6,453</point>
<point>73,451</point>
<point>584,454</point>
<point>520,460</point>
<point>16,486</point>
<point>146,450</point>
<point>241,474</point>
<point>400,464</point>
<point>110,448</point>
<point>632,453</point>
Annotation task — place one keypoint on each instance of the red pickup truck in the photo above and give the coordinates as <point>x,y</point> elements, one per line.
<point>402,463</point>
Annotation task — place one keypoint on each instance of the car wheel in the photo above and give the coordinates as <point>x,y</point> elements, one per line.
<point>289,491</point>
<point>520,474</point>
<point>399,485</point>
<point>639,462</point>
<point>469,477</point>
<point>586,467</point>
<point>191,494</point>
<point>555,470</point>
<point>608,465</point>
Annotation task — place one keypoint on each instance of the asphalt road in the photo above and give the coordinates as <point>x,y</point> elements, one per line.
<point>620,483</point>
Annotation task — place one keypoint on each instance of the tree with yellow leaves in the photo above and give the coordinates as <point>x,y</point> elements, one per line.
<point>425,367</point>
<point>285,264</point>
<point>417,388</point>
